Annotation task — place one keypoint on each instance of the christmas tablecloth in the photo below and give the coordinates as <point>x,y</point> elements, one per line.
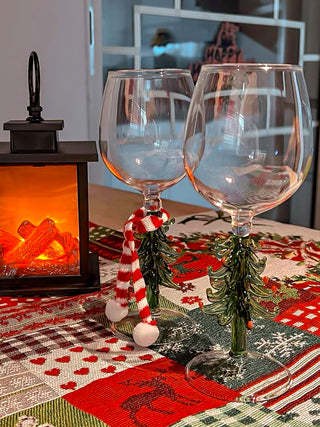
<point>61,366</point>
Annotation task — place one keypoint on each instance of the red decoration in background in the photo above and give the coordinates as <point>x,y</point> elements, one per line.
<point>223,50</point>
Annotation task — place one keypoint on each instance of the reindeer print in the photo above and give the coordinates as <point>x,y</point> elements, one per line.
<point>137,402</point>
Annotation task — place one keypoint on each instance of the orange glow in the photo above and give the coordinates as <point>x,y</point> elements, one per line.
<point>112,169</point>
<point>34,193</point>
<point>189,172</point>
<point>39,210</point>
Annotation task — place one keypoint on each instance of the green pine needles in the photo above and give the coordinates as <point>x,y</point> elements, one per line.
<point>155,256</point>
<point>236,287</point>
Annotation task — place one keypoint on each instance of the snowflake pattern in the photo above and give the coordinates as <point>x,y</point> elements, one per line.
<point>191,300</point>
<point>279,344</point>
<point>215,347</point>
<point>180,347</point>
<point>176,347</point>
<point>186,286</point>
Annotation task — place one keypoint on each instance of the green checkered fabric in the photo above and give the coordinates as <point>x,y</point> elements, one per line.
<point>57,412</point>
<point>240,415</point>
<point>100,232</point>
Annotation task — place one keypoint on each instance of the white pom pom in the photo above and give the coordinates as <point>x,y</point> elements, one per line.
<point>145,334</point>
<point>115,312</point>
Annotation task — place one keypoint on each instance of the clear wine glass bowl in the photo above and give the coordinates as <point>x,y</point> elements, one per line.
<point>141,142</point>
<point>142,125</point>
<point>248,141</point>
<point>248,148</point>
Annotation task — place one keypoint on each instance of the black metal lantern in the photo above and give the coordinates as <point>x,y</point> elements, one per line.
<point>44,237</point>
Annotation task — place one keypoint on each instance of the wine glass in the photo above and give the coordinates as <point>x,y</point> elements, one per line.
<point>141,142</point>
<point>248,148</point>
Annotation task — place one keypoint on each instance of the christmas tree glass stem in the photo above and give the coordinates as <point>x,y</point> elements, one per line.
<point>155,257</point>
<point>241,227</point>
<point>238,336</point>
<point>153,290</point>
<point>238,285</point>
<point>153,204</point>
<point>155,253</point>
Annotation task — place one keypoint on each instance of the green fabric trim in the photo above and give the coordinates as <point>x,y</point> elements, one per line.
<point>57,412</point>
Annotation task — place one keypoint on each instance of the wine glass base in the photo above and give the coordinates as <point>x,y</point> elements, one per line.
<point>174,326</point>
<point>214,373</point>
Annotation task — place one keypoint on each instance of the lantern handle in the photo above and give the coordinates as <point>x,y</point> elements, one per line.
<point>34,94</point>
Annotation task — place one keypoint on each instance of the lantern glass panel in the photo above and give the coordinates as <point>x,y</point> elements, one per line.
<point>39,220</point>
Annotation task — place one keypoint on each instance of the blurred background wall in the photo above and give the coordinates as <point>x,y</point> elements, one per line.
<point>79,41</point>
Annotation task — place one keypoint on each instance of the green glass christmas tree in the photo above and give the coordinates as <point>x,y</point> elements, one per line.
<point>238,286</point>
<point>155,257</point>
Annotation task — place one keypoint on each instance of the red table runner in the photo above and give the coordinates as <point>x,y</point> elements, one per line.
<point>61,367</point>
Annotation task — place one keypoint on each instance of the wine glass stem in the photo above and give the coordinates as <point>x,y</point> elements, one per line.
<point>152,200</point>
<point>241,225</point>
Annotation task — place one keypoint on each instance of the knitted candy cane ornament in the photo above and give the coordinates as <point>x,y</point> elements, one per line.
<point>146,332</point>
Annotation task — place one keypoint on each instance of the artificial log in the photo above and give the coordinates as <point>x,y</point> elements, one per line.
<point>70,245</point>
<point>7,241</point>
<point>34,245</point>
<point>26,228</point>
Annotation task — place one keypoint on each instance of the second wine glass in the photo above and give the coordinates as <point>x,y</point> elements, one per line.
<point>248,148</point>
<point>141,142</point>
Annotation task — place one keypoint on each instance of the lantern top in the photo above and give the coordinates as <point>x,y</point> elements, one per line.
<point>68,152</point>
<point>33,135</point>
<point>34,140</point>
<point>25,125</point>
<point>34,94</point>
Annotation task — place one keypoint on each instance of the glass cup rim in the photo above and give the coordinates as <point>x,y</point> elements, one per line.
<point>150,73</point>
<point>251,66</point>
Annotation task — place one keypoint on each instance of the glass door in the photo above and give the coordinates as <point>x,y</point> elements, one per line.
<point>188,33</point>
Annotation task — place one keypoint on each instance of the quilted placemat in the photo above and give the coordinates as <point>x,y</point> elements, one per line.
<point>76,372</point>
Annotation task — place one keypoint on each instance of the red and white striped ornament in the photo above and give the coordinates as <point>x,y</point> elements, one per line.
<point>146,332</point>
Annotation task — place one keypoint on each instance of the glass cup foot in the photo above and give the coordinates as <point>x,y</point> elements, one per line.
<point>236,378</point>
<point>174,326</point>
